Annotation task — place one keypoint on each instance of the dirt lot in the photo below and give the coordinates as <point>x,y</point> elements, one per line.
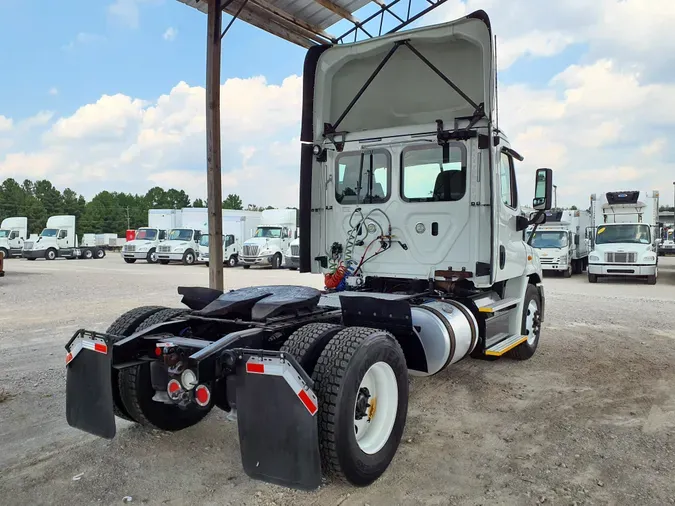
<point>589,420</point>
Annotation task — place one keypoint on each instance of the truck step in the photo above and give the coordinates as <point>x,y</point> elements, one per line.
<point>507,344</point>
<point>500,305</point>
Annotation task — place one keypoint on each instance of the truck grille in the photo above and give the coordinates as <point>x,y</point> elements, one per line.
<point>295,251</point>
<point>547,260</point>
<point>620,258</point>
<point>164,249</point>
<point>250,251</point>
<point>130,247</point>
<point>28,245</point>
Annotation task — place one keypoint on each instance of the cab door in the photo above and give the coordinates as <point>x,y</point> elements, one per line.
<point>510,257</point>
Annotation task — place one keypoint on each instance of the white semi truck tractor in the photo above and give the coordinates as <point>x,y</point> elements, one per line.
<point>562,241</point>
<point>59,240</point>
<point>624,233</point>
<point>13,233</point>
<point>409,209</point>
<point>271,239</point>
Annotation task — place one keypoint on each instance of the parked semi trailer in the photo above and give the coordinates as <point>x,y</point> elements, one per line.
<point>624,235</point>
<point>59,240</point>
<point>13,233</point>
<point>418,275</point>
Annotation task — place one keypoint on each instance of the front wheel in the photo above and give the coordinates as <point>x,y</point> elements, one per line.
<point>164,262</point>
<point>247,266</point>
<point>151,258</point>
<point>567,273</point>
<point>530,326</point>
<point>651,280</point>
<point>189,257</point>
<point>232,261</point>
<point>276,261</point>
<point>50,254</point>
<point>362,385</point>
<point>130,260</point>
<point>592,278</point>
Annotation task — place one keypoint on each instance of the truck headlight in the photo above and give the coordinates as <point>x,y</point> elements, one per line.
<point>649,258</point>
<point>179,250</point>
<point>142,249</point>
<point>594,258</point>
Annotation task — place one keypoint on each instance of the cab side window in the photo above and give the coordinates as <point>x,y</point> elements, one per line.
<point>507,176</point>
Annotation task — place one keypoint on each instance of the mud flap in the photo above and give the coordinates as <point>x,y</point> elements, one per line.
<point>89,400</point>
<point>276,416</point>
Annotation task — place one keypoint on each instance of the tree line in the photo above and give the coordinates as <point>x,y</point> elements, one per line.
<point>113,212</point>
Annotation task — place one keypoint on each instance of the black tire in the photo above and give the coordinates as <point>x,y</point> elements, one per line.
<point>651,280</point>
<point>337,376</point>
<point>567,273</point>
<point>130,260</point>
<point>246,266</point>
<point>232,261</point>
<point>88,254</point>
<point>276,261</point>
<point>164,262</point>
<point>151,257</point>
<point>592,278</point>
<point>31,259</point>
<point>189,257</point>
<point>4,253</point>
<point>526,349</point>
<point>206,263</point>
<point>50,254</point>
<point>136,391</point>
<point>124,326</point>
<point>100,253</point>
<point>307,343</point>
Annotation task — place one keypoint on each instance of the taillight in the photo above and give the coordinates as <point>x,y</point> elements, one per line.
<point>202,395</point>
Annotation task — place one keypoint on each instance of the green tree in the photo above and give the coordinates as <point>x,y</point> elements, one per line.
<point>199,203</point>
<point>573,208</point>
<point>233,201</point>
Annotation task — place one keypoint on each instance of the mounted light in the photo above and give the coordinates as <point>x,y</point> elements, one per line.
<point>316,150</point>
<point>202,395</point>
<point>420,228</point>
<point>188,379</point>
<point>173,389</point>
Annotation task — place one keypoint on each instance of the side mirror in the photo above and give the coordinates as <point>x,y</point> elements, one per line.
<point>537,218</point>
<point>543,190</point>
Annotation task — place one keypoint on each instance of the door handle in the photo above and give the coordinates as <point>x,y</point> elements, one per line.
<point>502,257</point>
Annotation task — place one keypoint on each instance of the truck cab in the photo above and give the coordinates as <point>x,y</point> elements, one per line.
<point>271,239</point>
<point>144,245</point>
<point>624,236</point>
<point>182,245</point>
<point>293,255</point>
<point>58,239</point>
<point>13,232</point>
<point>561,242</point>
<point>231,249</point>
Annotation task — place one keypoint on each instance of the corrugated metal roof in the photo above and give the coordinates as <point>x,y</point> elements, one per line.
<point>303,22</point>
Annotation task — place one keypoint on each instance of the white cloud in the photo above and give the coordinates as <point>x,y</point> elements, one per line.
<point>83,39</point>
<point>655,147</point>
<point>5,123</point>
<point>170,33</point>
<point>53,91</point>
<point>128,12</point>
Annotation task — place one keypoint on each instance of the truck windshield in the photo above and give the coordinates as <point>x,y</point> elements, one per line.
<point>180,234</point>
<point>271,232</point>
<point>49,232</point>
<point>4,233</point>
<point>204,240</point>
<point>545,239</point>
<point>146,234</point>
<point>629,233</point>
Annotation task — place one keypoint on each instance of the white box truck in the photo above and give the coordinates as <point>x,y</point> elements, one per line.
<point>59,239</point>
<point>181,245</point>
<point>238,226</point>
<point>278,227</point>
<point>562,243</point>
<point>144,246</point>
<point>13,233</point>
<point>292,260</point>
<point>624,235</point>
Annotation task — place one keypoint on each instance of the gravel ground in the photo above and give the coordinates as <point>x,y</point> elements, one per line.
<point>589,420</point>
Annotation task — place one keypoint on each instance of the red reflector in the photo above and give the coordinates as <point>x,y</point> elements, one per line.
<point>255,368</point>
<point>158,351</point>
<point>309,404</point>
<point>69,357</point>
<point>202,395</point>
<point>173,387</point>
<point>101,348</point>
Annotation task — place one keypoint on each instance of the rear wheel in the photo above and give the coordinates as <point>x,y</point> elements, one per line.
<point>100,253</point>
<point>130,260</point>
<point>307,343</point>
<point>87,254</point>
<point>362,385</point>
<point>124,326</point>
<point>137,391</point>
<point>531,325</point>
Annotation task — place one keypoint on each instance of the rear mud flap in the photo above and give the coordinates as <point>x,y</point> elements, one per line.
<point>276,416</point>
<point>89,400</point>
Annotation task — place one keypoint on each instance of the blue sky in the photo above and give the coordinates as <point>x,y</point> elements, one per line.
<point>575,80</point>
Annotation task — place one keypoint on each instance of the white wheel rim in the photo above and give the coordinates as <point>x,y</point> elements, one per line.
<point>373,431</point>
<point>532,308</point>
<point>189,258</point>
<point>153,257</point>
